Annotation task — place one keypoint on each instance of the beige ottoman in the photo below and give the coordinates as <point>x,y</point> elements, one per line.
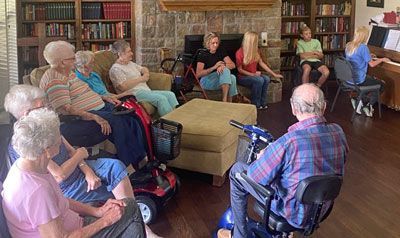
<point>208,141</point>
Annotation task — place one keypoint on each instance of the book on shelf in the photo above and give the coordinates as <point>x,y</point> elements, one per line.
<point>343,8</point>
<point>291,27</point>
<point>100,30</point>
<point>333,42</point>
<point>337,24</point>
<point>117,10</point>
<point>292,9</point>
<point>59,29</point>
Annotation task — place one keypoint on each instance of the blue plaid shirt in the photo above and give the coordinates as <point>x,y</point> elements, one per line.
<point>310,147</point>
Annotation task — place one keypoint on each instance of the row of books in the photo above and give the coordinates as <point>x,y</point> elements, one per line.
<point>106,11</point>
<point>337,24</point>
<point>49,11</point>
<point>387,38</point>
<point>29,30</point>
<point>333,42</point>
<point>96,46</point>
<point>57,29</point>
<point>29,54</point>
<point>289,61</point>
<point>343,8</point>
<point>106,30</point>
<point>289,43</point>
<point>291,27</point>
<point>293,9</point>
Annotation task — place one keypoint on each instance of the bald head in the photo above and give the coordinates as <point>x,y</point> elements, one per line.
<point>308,99</point>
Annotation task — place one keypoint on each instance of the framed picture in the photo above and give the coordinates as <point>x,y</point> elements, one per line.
<point>375,3</point>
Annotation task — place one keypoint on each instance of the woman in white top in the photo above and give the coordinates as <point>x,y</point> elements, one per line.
<point>126,75</point>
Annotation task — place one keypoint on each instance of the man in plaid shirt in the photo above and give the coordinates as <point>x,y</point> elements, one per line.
<point>310,147</point>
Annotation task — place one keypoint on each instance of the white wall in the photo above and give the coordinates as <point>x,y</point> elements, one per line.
<point>364,13</point>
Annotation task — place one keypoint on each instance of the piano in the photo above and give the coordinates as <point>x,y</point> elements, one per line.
<point>390,73</point>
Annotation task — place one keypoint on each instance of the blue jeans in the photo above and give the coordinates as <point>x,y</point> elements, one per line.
<point>213,81</point>
<point>258,86</point>
<point>126,134</point>
<point>239,194</point>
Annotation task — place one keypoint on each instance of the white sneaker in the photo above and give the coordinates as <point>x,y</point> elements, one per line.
<point>359,107</point>
<point>367,112</point>
<point>353,103</point>
<point>371,108</point>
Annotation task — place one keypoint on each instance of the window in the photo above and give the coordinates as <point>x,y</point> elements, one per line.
<point>8,48</point>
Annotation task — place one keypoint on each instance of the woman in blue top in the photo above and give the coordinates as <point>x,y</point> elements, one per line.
<point>357,53</point>
<point>84,61</point>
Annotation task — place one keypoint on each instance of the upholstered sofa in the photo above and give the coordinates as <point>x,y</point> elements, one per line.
<point>103,62</point>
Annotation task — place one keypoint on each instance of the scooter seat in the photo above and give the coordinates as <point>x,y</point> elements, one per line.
<point>276,222</point>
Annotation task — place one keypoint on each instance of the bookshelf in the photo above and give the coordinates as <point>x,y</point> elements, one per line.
<point>87,24</point>
<point>331,22</point>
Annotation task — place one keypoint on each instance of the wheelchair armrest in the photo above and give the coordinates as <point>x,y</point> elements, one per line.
<point>262,194</point>
<point>266,192</point>
<point>164,68</point>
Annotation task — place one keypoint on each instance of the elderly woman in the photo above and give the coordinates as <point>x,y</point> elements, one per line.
<point>33,203</point>
<point>213,68</point>
<point>128,76</point>
<point>79,179</point>
<point>84,61</point>
<point>71,96</point>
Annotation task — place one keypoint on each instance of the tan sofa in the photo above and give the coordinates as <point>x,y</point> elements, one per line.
<point>103,62</point>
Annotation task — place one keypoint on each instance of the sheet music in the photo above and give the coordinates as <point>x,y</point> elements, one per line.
<point>392,40</point>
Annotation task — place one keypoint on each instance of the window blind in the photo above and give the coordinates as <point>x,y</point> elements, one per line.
<point>8,48</point>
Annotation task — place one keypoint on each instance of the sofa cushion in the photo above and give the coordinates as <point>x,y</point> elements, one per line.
<point>36,75</point>
<point>103,60</point>
<point>206,123</point>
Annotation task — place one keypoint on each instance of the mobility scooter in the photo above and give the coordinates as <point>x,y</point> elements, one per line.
<point>317,191</point>
<point>154,184</point>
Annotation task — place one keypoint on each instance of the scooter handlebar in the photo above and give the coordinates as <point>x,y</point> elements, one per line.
<point>236,124</point>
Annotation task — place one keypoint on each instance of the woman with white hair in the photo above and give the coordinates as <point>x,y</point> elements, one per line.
<point>71,96</point>
<point>127,76</point>
<point>214,68</point>
<point>33,203</point>
<point>22,98</point>
<point>84,61</point>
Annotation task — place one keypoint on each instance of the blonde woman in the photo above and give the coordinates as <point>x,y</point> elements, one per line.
<point>247,60</point>
<point>214,68</point>
<point>358,54</point>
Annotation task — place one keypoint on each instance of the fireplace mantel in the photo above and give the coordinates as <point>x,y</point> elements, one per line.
<point>215,5</point>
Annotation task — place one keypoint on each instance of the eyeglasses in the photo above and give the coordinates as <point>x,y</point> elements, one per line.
<point>44,105</point>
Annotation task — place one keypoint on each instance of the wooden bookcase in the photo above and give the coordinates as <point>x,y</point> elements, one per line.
<point>87,24</point>
<point>331,22</point>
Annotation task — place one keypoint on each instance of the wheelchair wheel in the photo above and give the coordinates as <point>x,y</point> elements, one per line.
<point>147,207</point>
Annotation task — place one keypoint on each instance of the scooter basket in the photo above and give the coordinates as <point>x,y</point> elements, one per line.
<point>242,151</point>
<point>166,139</point>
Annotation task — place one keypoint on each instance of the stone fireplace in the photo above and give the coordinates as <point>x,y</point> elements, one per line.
<point>156,29</point>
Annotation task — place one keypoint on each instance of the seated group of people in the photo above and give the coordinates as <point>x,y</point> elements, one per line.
<point>49,176</point>
<point>214,69</point>
<point>50,182</point>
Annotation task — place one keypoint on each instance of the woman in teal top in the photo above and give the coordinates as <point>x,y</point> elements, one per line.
<point>84,71</point>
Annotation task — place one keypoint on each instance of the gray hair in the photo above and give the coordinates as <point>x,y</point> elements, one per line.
<point>20,99</point>
<point>308,99</point>
<point>83,58</point>
<point>53,52</point>
<point>208,37</point>
<point>119,46</point>
<point>36,132</point>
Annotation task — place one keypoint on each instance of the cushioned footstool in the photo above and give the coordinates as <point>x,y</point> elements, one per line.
<point>208,141</point>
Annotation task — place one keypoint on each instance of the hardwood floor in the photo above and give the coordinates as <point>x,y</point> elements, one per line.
<point>369,202</point>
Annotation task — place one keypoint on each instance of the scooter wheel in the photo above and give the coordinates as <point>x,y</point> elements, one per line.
<point>147,207</point>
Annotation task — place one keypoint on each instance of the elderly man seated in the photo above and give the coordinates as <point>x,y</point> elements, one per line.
<point>310,147</point>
